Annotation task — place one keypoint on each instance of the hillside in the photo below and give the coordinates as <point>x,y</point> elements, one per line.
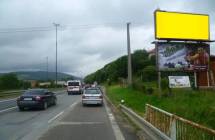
<point>142,66</point>
<point>41,75</point>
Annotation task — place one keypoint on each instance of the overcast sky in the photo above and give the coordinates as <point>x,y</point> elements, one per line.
<point>92,32</point>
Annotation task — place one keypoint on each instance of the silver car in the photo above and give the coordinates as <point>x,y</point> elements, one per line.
<point>92,96</point>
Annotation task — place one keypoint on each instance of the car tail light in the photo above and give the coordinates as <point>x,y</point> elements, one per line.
<point>100,96</point>
<point>38,98</point>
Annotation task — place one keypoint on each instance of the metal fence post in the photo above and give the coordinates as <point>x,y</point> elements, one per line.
<point>173,128</point>
<point>146,111</point>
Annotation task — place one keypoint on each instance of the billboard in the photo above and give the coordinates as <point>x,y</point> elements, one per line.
<point>181,26</point>
<point>175,56</point>
<point>179,82</point>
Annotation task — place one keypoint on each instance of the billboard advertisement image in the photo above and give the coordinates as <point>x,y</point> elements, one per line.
<point>182,56</point>
<point>181,26</point>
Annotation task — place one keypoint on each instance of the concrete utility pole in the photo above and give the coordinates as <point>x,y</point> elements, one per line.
<point>129,56</point>
<point>56,26</point>
<point>47,68</point>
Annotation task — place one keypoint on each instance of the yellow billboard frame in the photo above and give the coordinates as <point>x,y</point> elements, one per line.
<point>181,26</point>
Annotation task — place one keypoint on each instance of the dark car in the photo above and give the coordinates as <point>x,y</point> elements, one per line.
<point>36,98</point>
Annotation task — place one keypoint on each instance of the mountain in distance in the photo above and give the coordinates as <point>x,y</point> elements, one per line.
<point>42,75</point>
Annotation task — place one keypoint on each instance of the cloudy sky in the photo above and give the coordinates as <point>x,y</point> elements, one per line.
<point>92,33</point>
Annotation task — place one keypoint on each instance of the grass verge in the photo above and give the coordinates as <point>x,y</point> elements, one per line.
<point>197,106</point>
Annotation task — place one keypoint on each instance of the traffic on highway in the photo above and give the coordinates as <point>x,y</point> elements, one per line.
<point>107,70</point>
<point>66,118</point>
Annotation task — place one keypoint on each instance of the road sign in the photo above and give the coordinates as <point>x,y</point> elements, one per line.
<point>179,82</point>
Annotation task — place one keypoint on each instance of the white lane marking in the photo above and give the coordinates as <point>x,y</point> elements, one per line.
<point>117,132</point>
<point>7,100</point>
<point>1,111</point>
<point>72,105</point>
<point>55,117</point>
<point>79,123</point>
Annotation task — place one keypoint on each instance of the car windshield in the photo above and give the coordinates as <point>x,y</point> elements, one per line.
<point>73,84</point>
<point>34,92</point>
<point>92,91</point>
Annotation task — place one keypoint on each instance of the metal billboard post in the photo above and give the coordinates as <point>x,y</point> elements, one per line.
<point>195,79</point>
<point>208,78</point>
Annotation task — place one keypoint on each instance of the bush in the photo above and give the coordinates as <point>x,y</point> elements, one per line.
<point>164,84</point>
<point>149,73</point>
<point>149,90</point>
<point>137,85</point>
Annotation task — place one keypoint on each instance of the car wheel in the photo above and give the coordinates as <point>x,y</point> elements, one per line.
<point>45,105</point>
<point>21,108</point>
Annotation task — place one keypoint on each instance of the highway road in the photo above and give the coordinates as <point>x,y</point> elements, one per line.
<point>8,104</point>
<point>68,120</point>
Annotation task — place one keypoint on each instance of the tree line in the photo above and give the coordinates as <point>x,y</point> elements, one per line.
<point>11,81</point>
<point>143,68</point>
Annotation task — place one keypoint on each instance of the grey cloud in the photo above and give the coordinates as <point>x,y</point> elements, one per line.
<point>100,39</point>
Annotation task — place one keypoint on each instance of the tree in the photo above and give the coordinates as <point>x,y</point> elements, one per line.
<point>118,68</point>
<point>9,81</point>
<point>149,73</point>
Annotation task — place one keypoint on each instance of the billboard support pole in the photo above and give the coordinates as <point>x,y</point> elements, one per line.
<point>159,73</point>
<point>208,78</point>
<point>195,79</point>
<point>159,82</point>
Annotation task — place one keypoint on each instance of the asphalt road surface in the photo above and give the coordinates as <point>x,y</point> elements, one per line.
<point>68,120</point>
<point>7,104</point>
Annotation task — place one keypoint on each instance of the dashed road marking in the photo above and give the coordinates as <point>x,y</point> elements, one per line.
<point>59,114</point>
<point>7,100</point>
<point>55,117</point>
<point>1,111</point>
<point>72,105</point>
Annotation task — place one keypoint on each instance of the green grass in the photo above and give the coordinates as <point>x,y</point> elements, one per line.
<point>197,106</point>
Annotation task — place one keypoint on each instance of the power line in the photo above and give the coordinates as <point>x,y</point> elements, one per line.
<point>49,28</point>
<point>23,31</point>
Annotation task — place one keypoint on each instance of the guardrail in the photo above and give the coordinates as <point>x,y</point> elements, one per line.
<point>176,127</point>
<point>2,94</point>
<point>17,92</point>
<point>151,131</point>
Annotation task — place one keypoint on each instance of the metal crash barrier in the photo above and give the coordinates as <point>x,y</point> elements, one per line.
<point>176,127</point>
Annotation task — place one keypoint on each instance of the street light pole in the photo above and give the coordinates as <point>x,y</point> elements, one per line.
<point>56,26</point>
<point>129,56</point>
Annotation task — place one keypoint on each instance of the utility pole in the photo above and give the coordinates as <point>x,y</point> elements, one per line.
<point>47,68</point>
<point>129,56</point>
<point>56,26</point>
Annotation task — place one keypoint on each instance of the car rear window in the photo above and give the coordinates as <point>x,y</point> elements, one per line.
<point>92,91</point>
<point>34,92</point>
<point>73,84</point>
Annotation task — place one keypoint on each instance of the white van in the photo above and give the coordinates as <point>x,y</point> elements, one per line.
<point>74,87</point>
